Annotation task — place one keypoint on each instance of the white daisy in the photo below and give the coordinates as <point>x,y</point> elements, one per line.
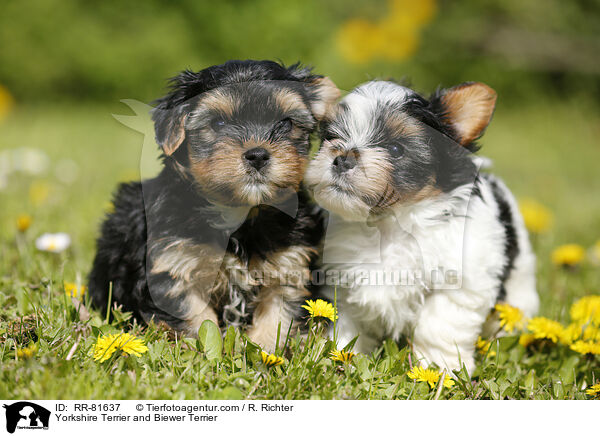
<point>53,242</point>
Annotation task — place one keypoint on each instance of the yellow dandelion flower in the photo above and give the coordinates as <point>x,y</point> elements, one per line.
<point>570,334</point>
<point>6,102</point>
<point>23,222</point>
<point>544,328</point>
<point>586,347</point>
<point>358,40</point>
<point>320,309</point>
<point>484,347</point>
<point>341,356</point>
<point>568,255</point>
<point>526,339</point>
<point>537,217</point>
<point>586,310</point>
<point>128,344</point>
<point>271,360</point>
<point>511,318</point>
<point>430,376</point>
<point>591,333</point>
<point>27,352</point>
<point>417,13</point>
<point>394,37</point>
<point>72,290</point>
<point>448,382</point>
<point>593,391</point>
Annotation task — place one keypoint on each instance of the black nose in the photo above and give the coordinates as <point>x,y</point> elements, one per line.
<point>257,157</point>
<point>344,163</point>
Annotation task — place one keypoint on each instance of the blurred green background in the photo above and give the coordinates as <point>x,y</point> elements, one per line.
<point>76,50</point>
<point>65,65</point>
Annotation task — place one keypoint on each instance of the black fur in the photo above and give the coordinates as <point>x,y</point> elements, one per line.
<point>511,243</point>
<point>452,165</point>
<point>169,206</point>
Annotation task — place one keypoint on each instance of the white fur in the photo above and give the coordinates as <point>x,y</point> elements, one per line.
<point>452,232</point>
<point>455,232</point>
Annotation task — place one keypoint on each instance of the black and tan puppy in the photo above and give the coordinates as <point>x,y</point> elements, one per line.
<point>226,231</point>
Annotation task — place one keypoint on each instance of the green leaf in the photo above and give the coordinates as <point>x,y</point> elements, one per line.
<point>229,341</point>
<point>228,393</point>
<point>350,344</point>
<point>567,369</point>
<point>210,340</point>
<point>253,352</point>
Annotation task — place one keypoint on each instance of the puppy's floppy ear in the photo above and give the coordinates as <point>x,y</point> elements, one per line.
<point>323,95</point>
<point>169,127</point>
<point>468,108</point>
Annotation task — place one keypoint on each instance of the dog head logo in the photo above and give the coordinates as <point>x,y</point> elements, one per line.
<point>26,415</point>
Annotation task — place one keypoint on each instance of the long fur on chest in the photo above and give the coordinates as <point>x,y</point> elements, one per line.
<point>387,268</point>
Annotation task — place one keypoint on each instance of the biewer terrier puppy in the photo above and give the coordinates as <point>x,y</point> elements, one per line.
<point>226,231</point>
<point>419,243</point>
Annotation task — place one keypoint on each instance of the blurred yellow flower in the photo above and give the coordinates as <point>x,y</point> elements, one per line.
<point>39,192</point>
<point>431,376</point>
<point>568,255</point>
<point>484,347</point>
<point>27,352</point>
<point>591,333</point>
<point>271,360</point>
<point>320,309</point>
<point>526,339</point>
<point>570,334</point>
<point>593,391</point>
<point>6,102</point>
<point>586,347</point>
<point>341,356</point>
<point>586,310</point>
<point>23,222</point>
<point>511,318</point>
<point>544,328</point>
<point>538,218</point>
<point>393,38</point>
<point>128,344</point>
<point>72,290</point>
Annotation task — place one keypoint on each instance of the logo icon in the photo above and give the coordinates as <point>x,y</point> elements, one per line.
<point>26,415</point>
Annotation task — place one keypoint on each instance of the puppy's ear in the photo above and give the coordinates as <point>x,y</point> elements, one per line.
<point>468,108</point>
<point>323,95</point>
<point>169,127</point>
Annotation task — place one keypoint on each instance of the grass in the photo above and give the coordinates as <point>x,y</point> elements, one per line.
<point>545,150</point>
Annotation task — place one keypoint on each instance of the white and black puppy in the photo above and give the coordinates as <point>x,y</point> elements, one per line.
<point>418,243</point>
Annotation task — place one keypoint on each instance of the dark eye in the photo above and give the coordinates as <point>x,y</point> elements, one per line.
<point>329,136</point>
<point>284,126</point>
<point>396,150</point>
<point>217,124</point>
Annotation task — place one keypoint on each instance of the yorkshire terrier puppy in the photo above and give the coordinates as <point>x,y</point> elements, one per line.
<point>226,231</point>
<point>419,243</point>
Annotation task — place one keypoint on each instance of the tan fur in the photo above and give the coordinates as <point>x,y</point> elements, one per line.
<point>286,272</point>
<point>220,101</point>
<point>469,108</point>
<point>175,136</point>
<point>202,276</point>
<point>288,100</point>
<point>403,124</point>
<point>327,95</point>
<point>223,176</point>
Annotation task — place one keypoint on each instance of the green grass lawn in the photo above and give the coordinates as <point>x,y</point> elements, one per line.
<point>546,150</point>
